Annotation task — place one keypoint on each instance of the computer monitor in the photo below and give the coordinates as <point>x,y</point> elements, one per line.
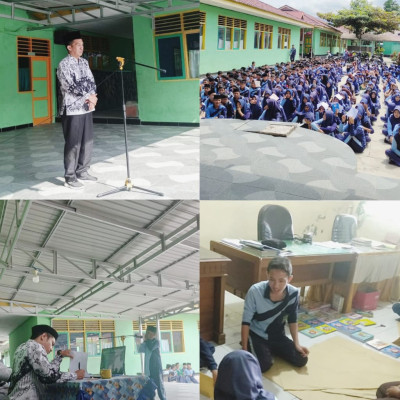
<point>113,358</point>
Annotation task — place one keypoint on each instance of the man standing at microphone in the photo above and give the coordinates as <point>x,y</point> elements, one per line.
<point>79,99</point>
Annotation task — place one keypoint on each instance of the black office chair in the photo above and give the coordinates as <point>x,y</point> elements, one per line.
<point>344,228</point>
<point>274,222</point>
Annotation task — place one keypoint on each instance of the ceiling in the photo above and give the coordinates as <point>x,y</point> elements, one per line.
<point>98,259</point>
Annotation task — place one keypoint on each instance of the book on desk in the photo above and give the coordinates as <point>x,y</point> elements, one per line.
<point>254,245</point>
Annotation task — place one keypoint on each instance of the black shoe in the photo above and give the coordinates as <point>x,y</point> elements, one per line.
<point>87,177</point>
<point>73,184</point>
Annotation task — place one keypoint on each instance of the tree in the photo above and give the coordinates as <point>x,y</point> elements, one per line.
<point>391,6</point>
<point>363,17</point>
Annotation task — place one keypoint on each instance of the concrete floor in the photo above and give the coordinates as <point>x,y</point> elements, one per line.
<point>162,158</point>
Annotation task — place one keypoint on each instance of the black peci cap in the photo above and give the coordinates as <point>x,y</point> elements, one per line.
<point>37,330</point>
<point>71,36</point>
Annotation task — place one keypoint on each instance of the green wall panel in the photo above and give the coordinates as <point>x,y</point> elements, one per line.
<point>161,100</point>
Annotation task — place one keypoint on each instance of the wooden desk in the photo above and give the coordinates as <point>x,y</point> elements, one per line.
<point>213,272</point>
<point>312,265</point>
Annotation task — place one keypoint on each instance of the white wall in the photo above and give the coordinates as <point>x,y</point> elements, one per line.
<point>238,219</point>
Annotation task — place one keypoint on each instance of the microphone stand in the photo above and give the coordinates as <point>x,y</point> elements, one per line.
<point>128,186</point>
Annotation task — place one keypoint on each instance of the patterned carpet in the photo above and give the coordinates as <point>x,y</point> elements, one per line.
<point>236,164</point>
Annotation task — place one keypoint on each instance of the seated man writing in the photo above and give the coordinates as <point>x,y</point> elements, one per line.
<point>266,307</point>
<point>31,370</point>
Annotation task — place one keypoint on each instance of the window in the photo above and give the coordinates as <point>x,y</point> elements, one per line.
<point>26,49</point>
<point>178,38</point>
<point>283,38</point>
<point>323,40</point>
<point>262,36</point>
<point>90,336</point>
<point>202,30</point>
<point>231,33</point>
<point>171,333</point>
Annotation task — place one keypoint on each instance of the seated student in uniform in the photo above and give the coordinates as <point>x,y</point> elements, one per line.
<point>216,110</point>
<point>394,152</point>
<point>393,125</point>
<point>328,124</point>
<point>230,112</point>
<point>288,103</point>
<point>266,306</point>
<point>272,111</point>
<point>239,378</point>
<point>388,391</point>
<point>308,120</point>
<point>354,136</point>
<point>255,108</point>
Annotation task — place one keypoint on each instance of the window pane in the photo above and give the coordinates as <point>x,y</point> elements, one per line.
<point>221,38</point>
<point>236,38</point>
<point>24,74</point>
<point>178,341</point>
<point>170,56</point>
<point>93,344</point>
<point>192,44</point>
<point>279,41</point>
<point>76,341</point>
<point>242,33</point>
<point>62,342</point>
<point>256,41</point>
<point>166,346</point>
<point>202,37</point>
<point>228,36</point>
<point>107,340</point>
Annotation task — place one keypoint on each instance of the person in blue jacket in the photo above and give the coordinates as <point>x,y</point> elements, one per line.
<point>355,137</point>
<point>393,125</point>
<point>216,110</point>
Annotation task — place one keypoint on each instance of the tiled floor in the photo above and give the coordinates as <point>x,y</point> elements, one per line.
<point>237,165</point>
<point>162,158</point>
<point>387,328</point>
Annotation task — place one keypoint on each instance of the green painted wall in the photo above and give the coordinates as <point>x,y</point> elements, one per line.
<point>161,100</point>
<point>212,59</point>
<point>391,47</point>
<point>132,360</point>
<point>16,108</point>
<point>322,50</point>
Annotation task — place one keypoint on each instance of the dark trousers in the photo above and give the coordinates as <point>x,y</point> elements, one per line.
<point>381,392</point>
<point>78,135</point>
<point>282,347</point>
<point>158,380</point>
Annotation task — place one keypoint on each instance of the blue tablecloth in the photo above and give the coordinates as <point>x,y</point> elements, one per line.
<point>122,387</point>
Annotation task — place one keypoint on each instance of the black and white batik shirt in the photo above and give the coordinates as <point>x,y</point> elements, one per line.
<point>32,370</point>
<point>76,85</point>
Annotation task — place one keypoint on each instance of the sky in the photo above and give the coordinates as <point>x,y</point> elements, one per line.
<point>314,6</point>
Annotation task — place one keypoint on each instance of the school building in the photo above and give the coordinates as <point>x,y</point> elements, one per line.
<point>161,35</point>
<point>233,32</point>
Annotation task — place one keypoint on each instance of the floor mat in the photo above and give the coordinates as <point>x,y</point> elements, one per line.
<point>338,368</point>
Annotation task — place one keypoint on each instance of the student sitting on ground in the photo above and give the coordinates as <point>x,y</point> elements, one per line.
<point>393,125</point>
<point>216,110</point>
<point>207,359</point>
<point>189,374</point>
<point>389,391</point>
<point>355,137</point>
<point>239,378</point>
<point>308,121</point>
<point>266,306</point>
<point>394,152</point>
<point>328,124</point>
<point>272,111</point>
<point>255,108</point>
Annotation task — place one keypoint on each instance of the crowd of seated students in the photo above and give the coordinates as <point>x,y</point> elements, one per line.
<point>321,95</point>
<point>182,375</point>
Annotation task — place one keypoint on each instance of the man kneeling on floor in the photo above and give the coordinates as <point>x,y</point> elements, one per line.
<point>31,370</point>
<point>266,307</point>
